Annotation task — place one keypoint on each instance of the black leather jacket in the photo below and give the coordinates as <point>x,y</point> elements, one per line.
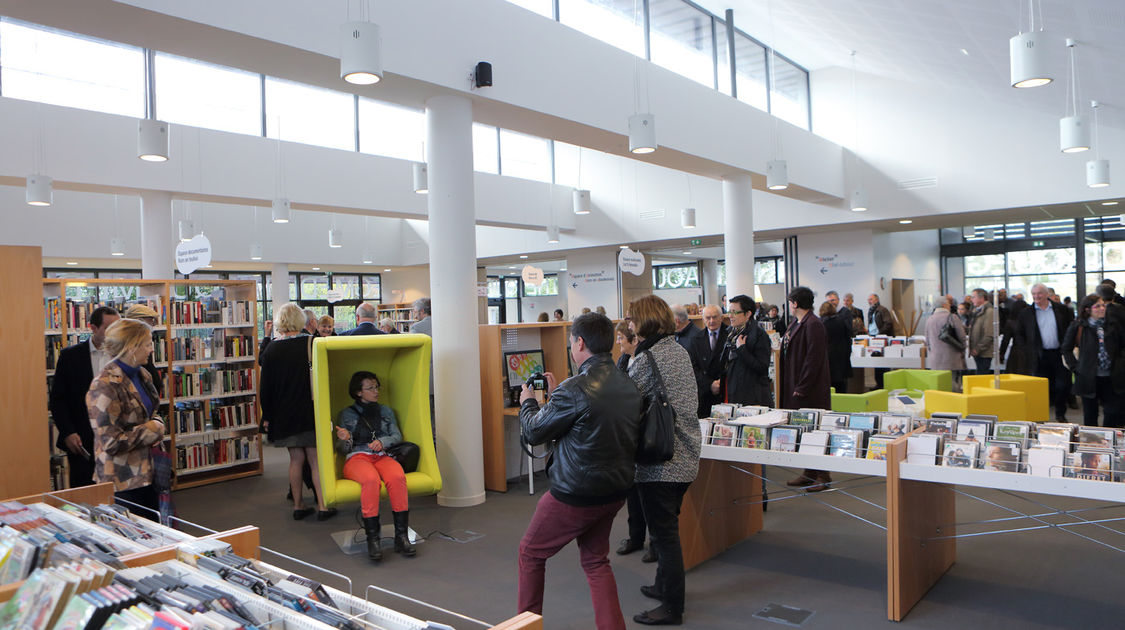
<point>593,419</point>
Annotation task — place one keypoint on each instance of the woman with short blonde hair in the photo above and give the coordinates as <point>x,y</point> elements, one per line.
<point>325,326</point>
<point>121,404</point>
<point>287,406</point>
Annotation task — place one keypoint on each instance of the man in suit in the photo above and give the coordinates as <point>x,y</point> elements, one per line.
<point>693,339</point>
<point>422,323</point>
<point>75,370</point>
<point>1041,330</point>
<point>365,316</point>
<point>709,349</point>
<point>879,322</point>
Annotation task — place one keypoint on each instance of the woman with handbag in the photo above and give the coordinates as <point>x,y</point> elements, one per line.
<point>121,403</point>
<point>945,339</point>
<point>662,363</point>
<point>366,432</point>
<point>285,393</point>
<point>1091,348</point>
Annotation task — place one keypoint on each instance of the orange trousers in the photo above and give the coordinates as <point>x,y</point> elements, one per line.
<point>371,470</point>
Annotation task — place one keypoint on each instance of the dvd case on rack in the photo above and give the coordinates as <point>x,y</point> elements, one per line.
<point>1095,465</point>
<point>832,421</point>
<point>754,437</point>
<point>813,442</point>
<point>724,435</point>
<point>1046,461</point>
<point>862,421</point>
<point>942,426</point>
<point>960,454</point>
<point>894,424</point>
<point>785,438</point>
<point>1002,455</point>
<point>877,447</point>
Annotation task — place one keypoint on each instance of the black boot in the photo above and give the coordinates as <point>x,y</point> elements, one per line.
<point>402,537</point>
<point>371,528</point>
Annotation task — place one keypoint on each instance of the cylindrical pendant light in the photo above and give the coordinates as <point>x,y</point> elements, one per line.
<point>1028,53</point>
<point>581,200</point>
<point>777,175</point>
<point>255,251</point>
<point>39,190</point>
<point>361,60</point>
<point>367,259</point>
<point>552,234</point>
<point>335,237</point>
<point>687,218</point>
<point>859,200</point>
<point>116,247</point>
<point>187,230</point>
<point>281,210</point>
<point>421,178</point>
<point>1074,134</point>
<point>1097,173</point>
<point>642,133</point>
<point>152,140</point>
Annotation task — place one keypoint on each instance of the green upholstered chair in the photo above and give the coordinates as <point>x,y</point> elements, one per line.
<point>402,363</point>
<point>874,400</point>
<point>941,380</point>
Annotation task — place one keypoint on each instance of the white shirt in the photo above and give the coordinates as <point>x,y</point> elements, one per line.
<point>98,358</point>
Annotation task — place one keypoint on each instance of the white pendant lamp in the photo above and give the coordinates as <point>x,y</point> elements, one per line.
<point>116,247</point>
<point>1097,169</point>
<point>687,218</point>
<point>859,200</point>
<point>187,230</point>
<point>361,59</point>
<point>421,178</point>
<point>777,175</point>
<point>281,210</point>
<point>152,140</point>
<point>1074,131</point>
<point>642,133</point>
<point>367,260</point>
<point>1027,53</point>
<point>39,190</point>
<point>335,237</point>
<point>581,201</point>
<point>552,234</point>
<point>255,251</point>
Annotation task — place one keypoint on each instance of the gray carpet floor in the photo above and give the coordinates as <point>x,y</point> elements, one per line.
<point>809,556</point>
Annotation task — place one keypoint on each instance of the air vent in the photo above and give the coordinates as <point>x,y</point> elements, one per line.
<point>651,215</point>
<point>921,182</point>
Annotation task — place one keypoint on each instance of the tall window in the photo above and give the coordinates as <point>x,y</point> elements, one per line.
<point>750,67</point>
<point>486,149</point>
<point>60,68</point>
<point>525,156</point>
<point>550,286</point>
<point>390,130</point>
<point>309,114</point>
<point>199,94</point>
<point>789,93</point>
<point>615,22</point>
<point>567,164</point>
<point>680,40</point>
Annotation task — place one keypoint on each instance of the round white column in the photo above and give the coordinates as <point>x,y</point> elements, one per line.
<point>158,250</point>
<point>453,282</point>
<point>711,293</point>
<point>738,234</point>
<point>279,285</point>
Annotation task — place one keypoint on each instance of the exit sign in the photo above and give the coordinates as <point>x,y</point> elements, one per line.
<point>1037,243</point>
<point>696,242</point>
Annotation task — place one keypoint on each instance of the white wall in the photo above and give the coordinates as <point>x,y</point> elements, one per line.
<point>840,261</point>
<point>533,306</point>
<point>592,282</point>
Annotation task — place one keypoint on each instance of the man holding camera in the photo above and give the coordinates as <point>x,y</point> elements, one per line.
<point>593,420</point>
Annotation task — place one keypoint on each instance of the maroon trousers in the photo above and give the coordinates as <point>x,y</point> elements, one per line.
<point>552,527</point>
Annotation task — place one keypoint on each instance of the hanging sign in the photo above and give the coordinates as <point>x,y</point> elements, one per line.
<point>632,262</point>
<point>532,275</point>
<point>193,254</point>
<point>482,289</point>
<point>334,295</point>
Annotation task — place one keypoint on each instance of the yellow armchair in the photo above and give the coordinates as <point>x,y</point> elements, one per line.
<point>1033,387</point>
<point>402,363</point>
<point>1005,405</point>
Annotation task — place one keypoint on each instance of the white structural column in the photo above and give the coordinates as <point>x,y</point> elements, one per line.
<point>738,234</point>
<point>710,281</point>
<point>453,281</point>
<point>279,285</point>
<point>158,252</point>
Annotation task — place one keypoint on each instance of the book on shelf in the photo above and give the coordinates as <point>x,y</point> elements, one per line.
<point>1002,455</point>
<point>213,451</point>
<point>960,454</point>
<point>211,311</point>
<point>210,381</point>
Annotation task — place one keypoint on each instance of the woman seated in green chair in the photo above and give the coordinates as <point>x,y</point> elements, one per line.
<point>364,432</point>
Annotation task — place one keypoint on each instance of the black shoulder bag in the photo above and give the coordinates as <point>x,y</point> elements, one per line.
<point>657,440</point>
<point>405,453</point>
<point>949,335</point>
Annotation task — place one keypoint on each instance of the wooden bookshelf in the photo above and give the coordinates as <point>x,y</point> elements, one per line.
<point>199,345</point>
<point>401,312</point>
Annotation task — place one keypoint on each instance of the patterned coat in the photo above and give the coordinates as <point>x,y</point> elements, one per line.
<point>679,384</point>
<point>121,439</point>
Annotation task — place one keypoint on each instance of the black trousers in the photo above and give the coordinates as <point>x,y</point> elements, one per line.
<point>841,386</point>
<point>661,502</point>
<point>984,365</point>
<point>879,372</point>
<point>1109,401</point>
<point>1051,368</point>
<point>146,497</point>
<point>636,519</point>
<point>81,469</point>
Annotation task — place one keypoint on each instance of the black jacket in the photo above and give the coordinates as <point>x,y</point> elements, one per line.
<point>712,367</point>
<point>73,375</point>
<point>748,367</point>
<point>284,391</point>
<point>593,418</point>
<point>365,328</point>
<point>1028,333</point>
<point>839,331</point>
<point>1085,367</point>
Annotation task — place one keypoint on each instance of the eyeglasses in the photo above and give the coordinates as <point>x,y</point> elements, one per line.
<point>736,312</point>
<point>1098,305</point>
<point>370,388</point>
